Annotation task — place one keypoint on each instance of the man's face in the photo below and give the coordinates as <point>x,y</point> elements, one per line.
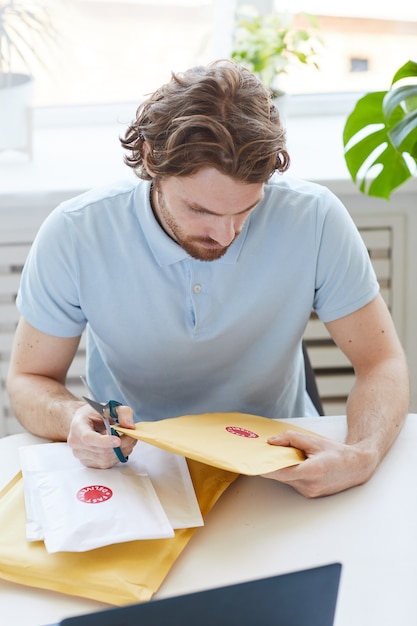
<point>204,212</point>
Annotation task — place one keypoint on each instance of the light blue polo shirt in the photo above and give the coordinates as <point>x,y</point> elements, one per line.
<point>170,335</point>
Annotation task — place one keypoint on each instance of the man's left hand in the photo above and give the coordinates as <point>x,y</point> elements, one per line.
<point>330,466</point>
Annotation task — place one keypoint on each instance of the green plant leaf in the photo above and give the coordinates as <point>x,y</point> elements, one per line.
<point>268,44</point>
<point>368,144</point>
<point>394,173</point>
<point>382,156</point>
<point>405,96</point>
<point>367,112</point>
<point>379,134</point>
<point>404,134</point>
<point>407,70</point>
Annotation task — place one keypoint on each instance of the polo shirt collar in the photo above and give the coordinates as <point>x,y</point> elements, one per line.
<point>165,250</point>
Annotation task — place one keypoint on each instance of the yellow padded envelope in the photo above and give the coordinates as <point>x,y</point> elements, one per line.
<point>236,442</point>
<point>118,574</point>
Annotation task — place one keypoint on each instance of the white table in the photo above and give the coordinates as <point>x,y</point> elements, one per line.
<point>260,528</point>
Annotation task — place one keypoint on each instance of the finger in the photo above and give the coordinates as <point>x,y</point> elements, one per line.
<point>91,436</point>
<point>103,456</point>
<point>90,442</point>
<point>285,474</point>
<point>127,444</point>
<point>125,416</point>
<point>99,459</point>
<point>306,482</point>
<point>291,438</point>
<point>92,439</point>
<point>92,421</point>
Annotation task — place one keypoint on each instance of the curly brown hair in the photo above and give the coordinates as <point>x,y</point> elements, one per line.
<point>219,115</point>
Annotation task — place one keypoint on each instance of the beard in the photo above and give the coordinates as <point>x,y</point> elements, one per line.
<point>195,249</point>
<point>199,248</point>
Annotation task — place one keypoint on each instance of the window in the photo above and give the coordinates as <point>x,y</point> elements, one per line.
<point>115,51</point>
<point>359,65</point>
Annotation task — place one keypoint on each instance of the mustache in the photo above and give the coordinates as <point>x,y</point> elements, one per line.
<point>209,240</point>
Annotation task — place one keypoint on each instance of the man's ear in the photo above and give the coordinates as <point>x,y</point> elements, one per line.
<point>147,150</point>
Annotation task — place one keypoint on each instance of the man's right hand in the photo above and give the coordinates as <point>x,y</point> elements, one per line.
<point>90,442</point>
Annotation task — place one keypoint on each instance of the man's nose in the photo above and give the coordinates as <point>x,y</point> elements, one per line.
<point>224,231</point>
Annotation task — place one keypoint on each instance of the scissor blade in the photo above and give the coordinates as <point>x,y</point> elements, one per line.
<point>97,406</point>
<point>100,408</point>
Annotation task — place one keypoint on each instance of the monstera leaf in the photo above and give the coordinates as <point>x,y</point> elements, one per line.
<point>380,136</point>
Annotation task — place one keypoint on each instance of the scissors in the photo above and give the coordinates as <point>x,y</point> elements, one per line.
<point>107,410</point>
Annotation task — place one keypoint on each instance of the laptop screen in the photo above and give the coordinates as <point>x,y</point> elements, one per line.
<point>294,599</point>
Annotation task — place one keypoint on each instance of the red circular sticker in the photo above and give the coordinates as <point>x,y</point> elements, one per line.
<point>94,494</point>
<point>241,432</point>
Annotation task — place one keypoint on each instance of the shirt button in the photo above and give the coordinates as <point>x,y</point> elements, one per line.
<point>197,288</point>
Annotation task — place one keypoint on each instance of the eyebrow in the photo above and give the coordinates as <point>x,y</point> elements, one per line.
<point>198,207</point>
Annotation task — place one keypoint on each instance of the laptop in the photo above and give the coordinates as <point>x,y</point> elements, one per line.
<point>301,598</point>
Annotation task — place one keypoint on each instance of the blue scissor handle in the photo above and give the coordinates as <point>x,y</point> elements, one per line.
<point>102,408</point>
<point>112,404</point>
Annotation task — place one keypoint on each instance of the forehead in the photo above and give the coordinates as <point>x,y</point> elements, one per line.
<point>214,192</point>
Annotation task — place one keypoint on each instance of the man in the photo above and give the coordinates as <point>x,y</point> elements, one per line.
<point>195,285</point>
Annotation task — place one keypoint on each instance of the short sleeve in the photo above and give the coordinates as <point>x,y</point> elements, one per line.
<point>48,295</point>
<point>345,278</point>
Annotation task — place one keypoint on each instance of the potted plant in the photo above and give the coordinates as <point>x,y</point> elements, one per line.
<point>380,136</point>
<point>25,29</point>
<point>269,44</point>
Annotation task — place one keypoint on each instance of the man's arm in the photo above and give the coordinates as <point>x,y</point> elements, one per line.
<point>379,400</point>
<point>36,385</point>
<point>376,408</point>
<point>36,381</point>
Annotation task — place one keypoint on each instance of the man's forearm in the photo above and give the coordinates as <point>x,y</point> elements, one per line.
<point>42,405</point>
<point>377,407</point>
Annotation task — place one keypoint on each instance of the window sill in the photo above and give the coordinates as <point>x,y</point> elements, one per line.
<point>84,153</point>
<point>77,148</point>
